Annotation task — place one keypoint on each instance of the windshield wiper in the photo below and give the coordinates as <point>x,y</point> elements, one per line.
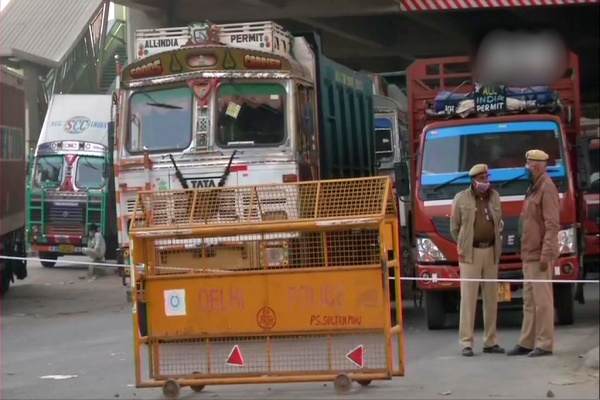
<point>164,105</point>
<point>154,103</point>
<point>513,179</point>
<point>441,185</point>
<point>227,170</point>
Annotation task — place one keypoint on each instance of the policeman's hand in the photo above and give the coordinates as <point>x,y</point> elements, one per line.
<point>543,266</point>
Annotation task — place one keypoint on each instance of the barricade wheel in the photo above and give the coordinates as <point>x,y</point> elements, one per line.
<point>342,383</point>
<point>197,388</point>
<point>364,382</point>
<point>171,389</point>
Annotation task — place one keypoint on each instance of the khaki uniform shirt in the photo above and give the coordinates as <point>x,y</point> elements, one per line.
<point>462,223</point>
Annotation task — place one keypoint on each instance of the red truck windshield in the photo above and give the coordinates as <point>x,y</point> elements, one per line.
<point>450,151</point>
<point>460,153</point>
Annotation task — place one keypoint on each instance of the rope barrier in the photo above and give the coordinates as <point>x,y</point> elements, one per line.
<point>433,279</point>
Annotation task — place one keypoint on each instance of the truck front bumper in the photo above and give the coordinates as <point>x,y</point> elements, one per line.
<point>566,268</point>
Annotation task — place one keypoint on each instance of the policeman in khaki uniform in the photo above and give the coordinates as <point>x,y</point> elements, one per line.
<point>538,227</point>
<point>476,225</point>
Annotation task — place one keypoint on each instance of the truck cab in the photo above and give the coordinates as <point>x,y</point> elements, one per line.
<point>70,180</point>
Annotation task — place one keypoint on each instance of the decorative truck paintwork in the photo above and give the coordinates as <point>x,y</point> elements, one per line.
<point>236,104</point>
<point>70,182</point>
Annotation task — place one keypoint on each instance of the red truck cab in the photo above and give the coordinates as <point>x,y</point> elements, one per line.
<point>450,135</point>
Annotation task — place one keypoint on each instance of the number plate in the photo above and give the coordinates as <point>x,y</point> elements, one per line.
<point>66,248</point>
<point>504,294</point>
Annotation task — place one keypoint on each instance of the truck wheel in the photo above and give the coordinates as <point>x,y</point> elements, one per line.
<point>48,256</point>
<point>434,310</point>
<point>5,281</point>
<point>564,303</point>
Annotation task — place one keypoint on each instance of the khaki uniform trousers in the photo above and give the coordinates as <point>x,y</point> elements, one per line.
<point>483,267</point>
<point>538,308</point>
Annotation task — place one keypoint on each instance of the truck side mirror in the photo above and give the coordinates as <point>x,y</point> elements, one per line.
<point>583,163</point>
<point>402,179</point>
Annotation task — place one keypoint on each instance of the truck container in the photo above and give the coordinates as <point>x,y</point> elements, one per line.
<point>12,177</point>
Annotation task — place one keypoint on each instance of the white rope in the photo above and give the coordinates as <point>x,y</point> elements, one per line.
<point>433,279</point>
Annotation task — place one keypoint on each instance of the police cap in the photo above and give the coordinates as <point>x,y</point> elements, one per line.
<point>478,170</point>
<point>536,155</point>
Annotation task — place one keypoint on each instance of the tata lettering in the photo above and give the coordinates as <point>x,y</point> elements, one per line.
<point>202,183</point>
<point>247,37</point>
<point>150,69</point>
<point>258,62</point>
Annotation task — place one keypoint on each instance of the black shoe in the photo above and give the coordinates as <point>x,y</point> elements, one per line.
<point>537,352</point>
<point>518,351</point>
<point>495,349</point>
<point>467,352</point>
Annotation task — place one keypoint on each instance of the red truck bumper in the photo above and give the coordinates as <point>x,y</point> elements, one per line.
<point>566,268</point>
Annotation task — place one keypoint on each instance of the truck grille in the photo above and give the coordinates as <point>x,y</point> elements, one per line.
<point>511,243</point>
<point>65,218</point>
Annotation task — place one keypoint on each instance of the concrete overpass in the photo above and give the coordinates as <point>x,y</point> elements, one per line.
<point>387,35</point>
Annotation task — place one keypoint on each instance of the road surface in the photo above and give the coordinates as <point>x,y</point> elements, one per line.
<point>66,336</point>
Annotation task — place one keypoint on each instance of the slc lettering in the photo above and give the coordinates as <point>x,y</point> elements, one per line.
<point>202,183</point>
<point>258,62</point>
<point>150,69</point>
<point>247,37</point>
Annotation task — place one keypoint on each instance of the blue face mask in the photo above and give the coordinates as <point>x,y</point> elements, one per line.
<point>528,172</point>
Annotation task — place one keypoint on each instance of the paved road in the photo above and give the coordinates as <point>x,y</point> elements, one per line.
<point>60,323</point>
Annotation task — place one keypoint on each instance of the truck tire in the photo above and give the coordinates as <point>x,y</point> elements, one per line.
<point>564,302</point>
<point>6,278</point>
<point>48,256</point>
<point>434,310</point>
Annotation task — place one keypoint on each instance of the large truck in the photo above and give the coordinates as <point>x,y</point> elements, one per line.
<point>71,183</point>
<point>590,129</point>
<point>237,104</point>
<point>456,124</point>
<point>392,146</point>
<point>13,176</point>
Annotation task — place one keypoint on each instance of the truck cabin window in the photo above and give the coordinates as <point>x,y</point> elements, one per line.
<point>89,173</point>
<point>251,114</point>
<point>455,154</point>
<point>160,120</point>
<point>594,154</point>
<point>384,148</point>
<point>48,171</point>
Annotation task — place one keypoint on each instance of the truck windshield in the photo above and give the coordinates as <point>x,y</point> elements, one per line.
<point>89,173</point>
<point>251,114</point>
<point>595,166</point>
<point>49,171</point>
<point>450,152</point>
<point>160,120</point>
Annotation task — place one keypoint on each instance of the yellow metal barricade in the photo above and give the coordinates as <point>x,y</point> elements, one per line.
<point>263,284</point>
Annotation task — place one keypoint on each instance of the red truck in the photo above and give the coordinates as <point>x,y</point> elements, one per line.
<point>590,129</point>
<point>456,124</point>
<point>13,175</point>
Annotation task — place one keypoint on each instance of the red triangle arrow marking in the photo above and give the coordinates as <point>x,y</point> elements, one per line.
<point>235,357</point>
<point>357,356</point>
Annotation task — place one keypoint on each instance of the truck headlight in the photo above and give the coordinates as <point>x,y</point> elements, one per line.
<point>566,240</point>
<point>428,251</point>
